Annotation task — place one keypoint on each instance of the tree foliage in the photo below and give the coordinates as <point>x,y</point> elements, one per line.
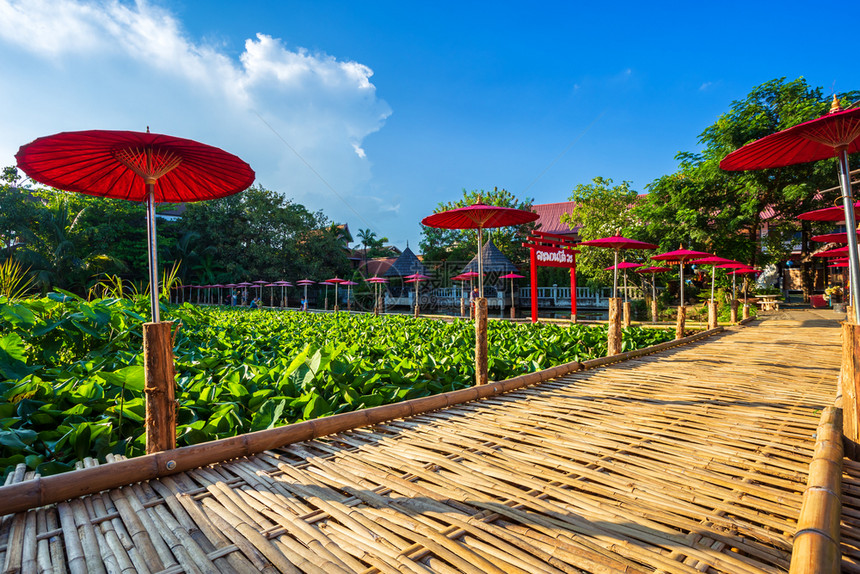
<point>71,241</point>
<point>749,216</point>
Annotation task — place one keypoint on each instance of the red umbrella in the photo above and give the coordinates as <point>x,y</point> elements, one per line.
<point>680,256</point>
<point>617,243</point>
<point>480,217</point>
<point>624,266</point>
<point>512,276</point>
<point>376,281</point>
<point>832,237</point>
<point>749,271</point>
<point>305,283</point>
<point>832,135</point>
<point>349,284</point>
<point>653,271</point>
<point>135,166</point>
<point>831,214</point>
<point>336,281</point>
<point>839,264</point>
<point>713,261</point>
<point>416,278</point>
<point>835,252</point>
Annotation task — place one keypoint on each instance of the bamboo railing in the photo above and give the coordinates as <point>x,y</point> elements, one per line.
<point>817,539</point>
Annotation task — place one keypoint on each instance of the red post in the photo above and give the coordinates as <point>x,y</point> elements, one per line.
<point>533,258</point>
<point>573,294</point>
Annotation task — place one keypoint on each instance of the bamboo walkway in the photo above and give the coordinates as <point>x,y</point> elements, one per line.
<point>691,460</point>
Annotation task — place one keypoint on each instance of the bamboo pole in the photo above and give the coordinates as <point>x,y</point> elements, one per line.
<point>817,539</point>
<point>159,387</point>
<point>654,310</point>
<point>734,311</point>
<point>628,313</point>
<point>613,345</point>
<point>481,375</point>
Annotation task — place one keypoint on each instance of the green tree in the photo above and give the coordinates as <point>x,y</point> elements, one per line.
<point>462,244</point>
<point>748,216</point>
<point>366,236</point>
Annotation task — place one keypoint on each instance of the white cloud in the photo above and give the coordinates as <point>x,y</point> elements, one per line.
<point>104,64</point>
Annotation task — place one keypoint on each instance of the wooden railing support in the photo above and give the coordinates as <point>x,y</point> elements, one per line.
<point>481,375</point>
<point>682,321</point>
<point>628,312</point>
<point>850,383</point>
<point>734,311</point>
<point>160,407</point>
<point>712,314</point>
<point>613,344</point>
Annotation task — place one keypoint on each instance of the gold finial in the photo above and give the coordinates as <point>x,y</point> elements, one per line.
<point>835,107</point>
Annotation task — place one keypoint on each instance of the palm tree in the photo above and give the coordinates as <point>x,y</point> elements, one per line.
<point>366,236</point>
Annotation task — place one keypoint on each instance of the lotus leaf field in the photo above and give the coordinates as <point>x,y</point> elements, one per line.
<point>71,374</point>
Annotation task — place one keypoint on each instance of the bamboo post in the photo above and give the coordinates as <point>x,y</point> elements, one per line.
<point>682,319</point>
<point>462,307</point>
<point>817,538</point>
<point>712,314</point>
<point>654,310</point>
<point>746,311</point>
<point>627,313</point>
<point>850,382</point>
<point>734,310</point>
<point>613,346</point>
<point>158,387</point>
<point>481,377</point>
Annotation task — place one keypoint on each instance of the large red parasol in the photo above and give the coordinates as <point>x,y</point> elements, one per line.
<point>832,214</point>
<point>617,243</point>
<point>832,135</point>
<point>479,216</point>
<point>136,166</point>
<point>680,256</point>
<point>832,237</point>
<point>512,276</point>
<point>653,270</point>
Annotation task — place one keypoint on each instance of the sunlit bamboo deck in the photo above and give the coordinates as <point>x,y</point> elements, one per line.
<point>692,460</point>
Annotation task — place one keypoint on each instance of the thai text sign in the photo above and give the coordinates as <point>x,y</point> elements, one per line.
<point>554,256</point>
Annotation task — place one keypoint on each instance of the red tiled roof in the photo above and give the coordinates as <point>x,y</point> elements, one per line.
<point>549,219</point>
<point>378,266</point>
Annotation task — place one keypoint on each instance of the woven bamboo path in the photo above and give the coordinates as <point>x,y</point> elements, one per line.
<point>691,460</point>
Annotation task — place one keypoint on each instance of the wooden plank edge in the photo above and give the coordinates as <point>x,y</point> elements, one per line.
<point>816,545</point>
<point>41,491</point>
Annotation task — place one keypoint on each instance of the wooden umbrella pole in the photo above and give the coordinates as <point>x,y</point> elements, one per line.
<point>160,405</point>
<point>613,344</point>
<point>481,376</point>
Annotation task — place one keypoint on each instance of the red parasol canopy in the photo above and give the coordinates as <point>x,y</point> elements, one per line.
<point>136,166</point>
<point>833,237</point>
<point>839,264</point>
<point>305,282</point>
<point>836,252</point>
<point>713,261</point>
<point>336,281</point>
<point>512,276</point>
<point>376,279</point>
<point>623,265</point>
<point>118,163</point>
<point>828,214</point>
<point>653,270</point>
<point>680,255</point>
<point>479,216</point>
<point>416,277</point>
<point>618,242</point>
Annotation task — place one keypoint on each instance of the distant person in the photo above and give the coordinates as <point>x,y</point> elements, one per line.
<point>234,301</point>
<point>304,304</point>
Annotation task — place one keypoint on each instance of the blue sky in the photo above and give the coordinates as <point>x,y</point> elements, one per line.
<point>375,112</point>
